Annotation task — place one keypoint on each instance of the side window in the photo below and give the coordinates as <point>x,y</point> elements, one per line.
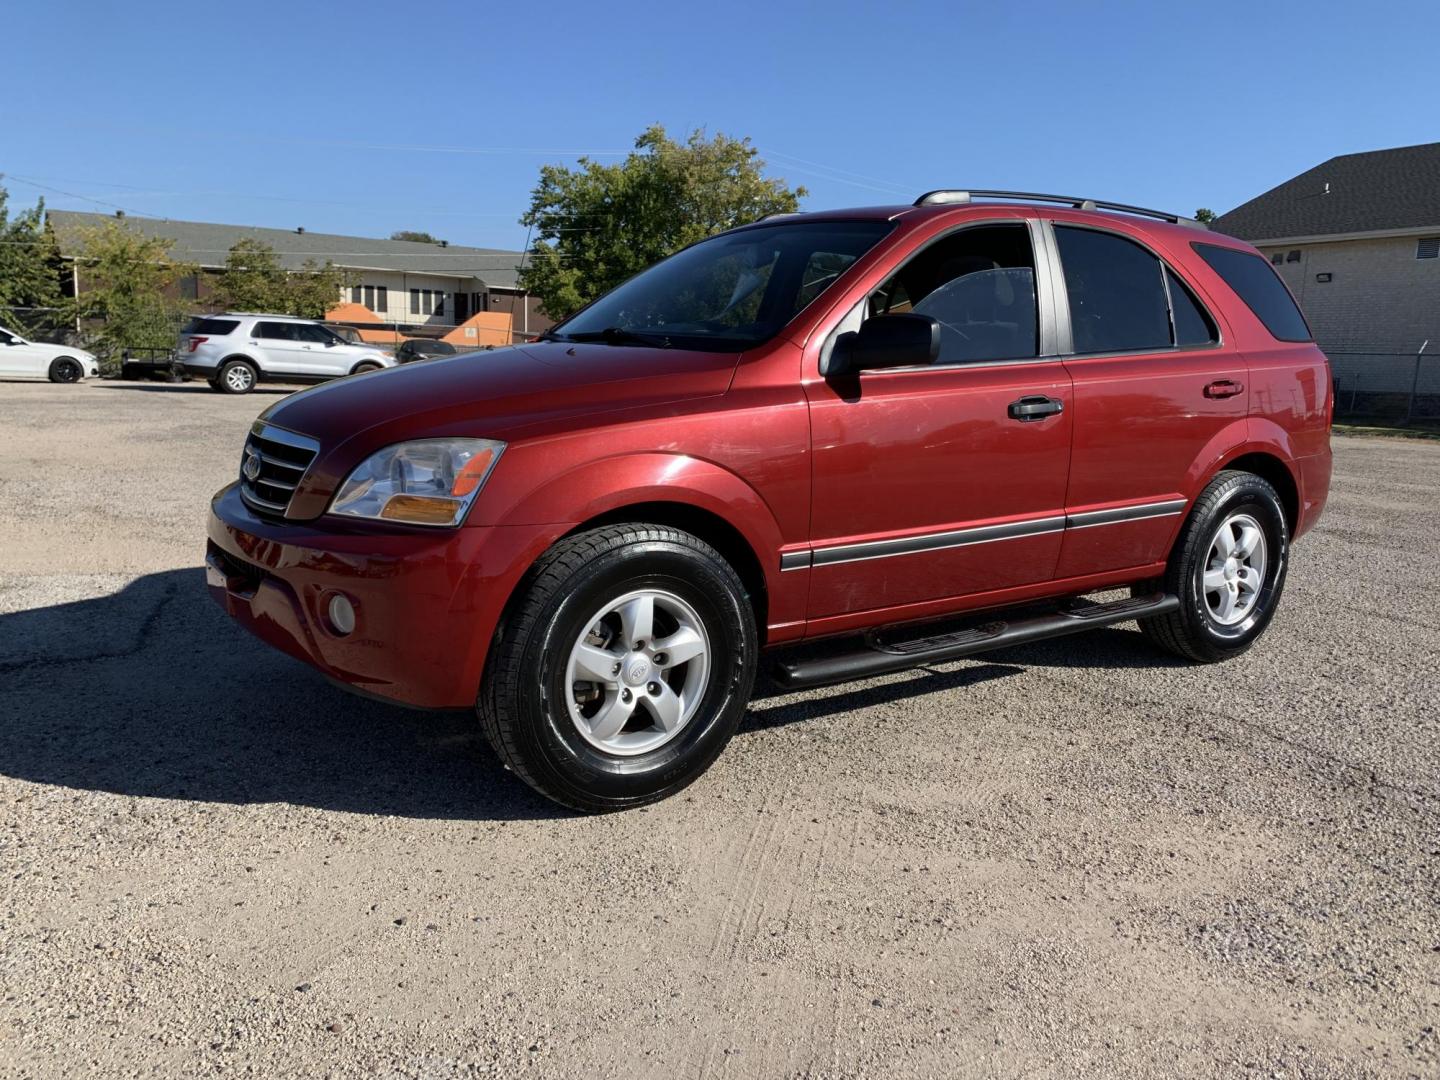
<point>979,285</point>
<point>273,331</point>
<point>1117,294</point>
<point>1257,284</point>
<point>1193,325</point>
<point>316,335</point>
<point>5,338</point>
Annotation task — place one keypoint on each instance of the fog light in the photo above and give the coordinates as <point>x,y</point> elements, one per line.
<point>342,614</point>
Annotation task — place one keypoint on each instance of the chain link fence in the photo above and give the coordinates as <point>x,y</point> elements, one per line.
<point>1387,387</point>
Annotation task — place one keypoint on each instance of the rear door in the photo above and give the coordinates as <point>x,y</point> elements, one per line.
<point>932,483</point>
<point>1157,397</point>
<point>282,350</point>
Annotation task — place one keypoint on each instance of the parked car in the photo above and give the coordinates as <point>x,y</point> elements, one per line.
<point>838,443</point>
<point>236,350</point>
<point>423,349</point>
<point>21,358</point>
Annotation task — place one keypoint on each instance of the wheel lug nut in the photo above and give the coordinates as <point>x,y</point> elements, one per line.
<point>639,645</point>
<point>659,658</point>
<point>654,688</point>
<point>615,668</point>
<point>625,695</point>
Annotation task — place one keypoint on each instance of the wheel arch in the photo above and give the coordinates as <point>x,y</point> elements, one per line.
<point>706,525</point>
<point>1270,467</point>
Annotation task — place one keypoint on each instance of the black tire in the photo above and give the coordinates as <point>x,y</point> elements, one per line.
<point>66,369</point>
<point>527,718</point>
<point>229,380</point>
<point>130,371</point>
<point>1194,631</point>
<point>360,369</point>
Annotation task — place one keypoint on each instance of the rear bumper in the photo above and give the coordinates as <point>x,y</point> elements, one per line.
<point>426,603</point>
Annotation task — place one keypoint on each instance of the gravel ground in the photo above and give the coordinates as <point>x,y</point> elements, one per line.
<point>1072,859</point>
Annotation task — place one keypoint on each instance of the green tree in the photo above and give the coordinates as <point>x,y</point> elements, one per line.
<point>254,280</point>
<point>1205,215</point>
<point>415,237</point>
<point>30,269</point>
<point>597,225</point>
<point>126,281</point>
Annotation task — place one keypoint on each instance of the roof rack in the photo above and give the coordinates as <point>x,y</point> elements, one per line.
<point>956,197</point>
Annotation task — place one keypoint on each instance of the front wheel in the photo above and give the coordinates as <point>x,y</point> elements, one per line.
<point>1228,568</point>
<point>66,370</point>
<point>361,369</point>
<point>622,668</point>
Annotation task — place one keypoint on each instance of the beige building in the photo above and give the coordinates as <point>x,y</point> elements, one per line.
<point>1357,239</point>
<point>415,287</point>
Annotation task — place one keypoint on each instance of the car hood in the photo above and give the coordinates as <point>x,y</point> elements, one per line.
<point>504,393</point>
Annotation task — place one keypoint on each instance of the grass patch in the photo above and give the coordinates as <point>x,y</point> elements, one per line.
<point>1390,432</point>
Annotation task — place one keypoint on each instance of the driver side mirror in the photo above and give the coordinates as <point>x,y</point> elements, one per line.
<point>885,341</point>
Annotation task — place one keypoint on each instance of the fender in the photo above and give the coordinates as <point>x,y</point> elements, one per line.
<point>610,484</point>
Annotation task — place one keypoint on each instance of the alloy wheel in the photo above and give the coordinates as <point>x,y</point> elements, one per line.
<point>637,673</point>
<point>1234,570</point>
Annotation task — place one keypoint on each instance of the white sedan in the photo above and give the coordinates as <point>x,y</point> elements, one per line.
<point>22,359</point>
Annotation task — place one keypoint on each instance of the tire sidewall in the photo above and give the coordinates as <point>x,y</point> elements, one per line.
<point>1259,500</point>
<point>63,364</point>
<point>581,767</point>
<point>222,381</point>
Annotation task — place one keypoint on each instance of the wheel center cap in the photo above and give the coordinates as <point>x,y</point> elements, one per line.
<point>637,670</point>
<point>1232,569</point>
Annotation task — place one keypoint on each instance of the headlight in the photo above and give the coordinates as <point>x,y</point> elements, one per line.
<point>426,482</point>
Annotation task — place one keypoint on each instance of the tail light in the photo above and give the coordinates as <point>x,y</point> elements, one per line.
<point>196,342</point>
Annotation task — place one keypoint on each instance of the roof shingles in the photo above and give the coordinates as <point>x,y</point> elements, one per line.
<point>207,244</point>
<point>1354,193</point>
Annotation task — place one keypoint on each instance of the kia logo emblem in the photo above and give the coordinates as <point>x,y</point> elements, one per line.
<point>252,466</point>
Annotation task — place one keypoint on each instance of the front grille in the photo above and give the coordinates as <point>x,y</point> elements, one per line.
<point>272,467</point>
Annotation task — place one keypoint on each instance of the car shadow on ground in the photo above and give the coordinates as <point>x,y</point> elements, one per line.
<point>158,387</point>
<point>152,691</point>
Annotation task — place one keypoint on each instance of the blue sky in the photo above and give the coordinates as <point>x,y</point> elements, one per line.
<point>365,118</point>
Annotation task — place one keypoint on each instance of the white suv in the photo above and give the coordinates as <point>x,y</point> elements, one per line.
<point>236,350</point>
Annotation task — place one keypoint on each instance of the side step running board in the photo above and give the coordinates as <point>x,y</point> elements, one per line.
<point>877,657</point>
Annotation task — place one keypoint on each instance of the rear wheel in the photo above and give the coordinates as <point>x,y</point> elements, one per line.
<point>1228,568</point>
<point>622,669</point>
<point>66,369</point>
<point>235,377</point>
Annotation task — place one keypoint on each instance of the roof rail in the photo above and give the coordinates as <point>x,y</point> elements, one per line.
<point>956,197</point>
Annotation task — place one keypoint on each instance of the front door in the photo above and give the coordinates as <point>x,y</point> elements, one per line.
<point>1156,397</point>
<point>933,483</point>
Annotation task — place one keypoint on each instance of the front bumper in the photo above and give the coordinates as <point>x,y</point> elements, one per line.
<point>426,602</point>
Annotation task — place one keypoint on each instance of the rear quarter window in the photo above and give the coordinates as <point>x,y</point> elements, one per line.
<point>211,327</point>
<point>1256,283</point>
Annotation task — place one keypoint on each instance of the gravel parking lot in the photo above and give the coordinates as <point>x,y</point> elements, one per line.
<point>1079,858</point>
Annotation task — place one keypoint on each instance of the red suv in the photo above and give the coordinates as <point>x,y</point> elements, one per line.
<point>854,442</point>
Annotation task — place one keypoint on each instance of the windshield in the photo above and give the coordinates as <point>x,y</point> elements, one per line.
<point>730,292</point>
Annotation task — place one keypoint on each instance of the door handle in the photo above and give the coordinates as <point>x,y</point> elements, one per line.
<point>1223,388</point>
<point>1036,407</point>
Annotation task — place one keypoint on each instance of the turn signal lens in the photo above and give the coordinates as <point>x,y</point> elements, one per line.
<point>420,509</point>
<point>472,475</point>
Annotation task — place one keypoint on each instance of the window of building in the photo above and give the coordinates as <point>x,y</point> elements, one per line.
<point>382,299</point>
<point>427,302</point>
<point>355,294</point>
<point>190,287</point>
<point>1117,293</point>
<point>1292,256</point>
<point>1278,258</point>
<point>1262,290</point>
<point>978,284</point>
<point>439,302</point>
<point>1428,248</point>
<point>370,297</point>
<point>414,301</point>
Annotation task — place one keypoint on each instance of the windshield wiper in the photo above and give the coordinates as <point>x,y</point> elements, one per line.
<point>615,335</point>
